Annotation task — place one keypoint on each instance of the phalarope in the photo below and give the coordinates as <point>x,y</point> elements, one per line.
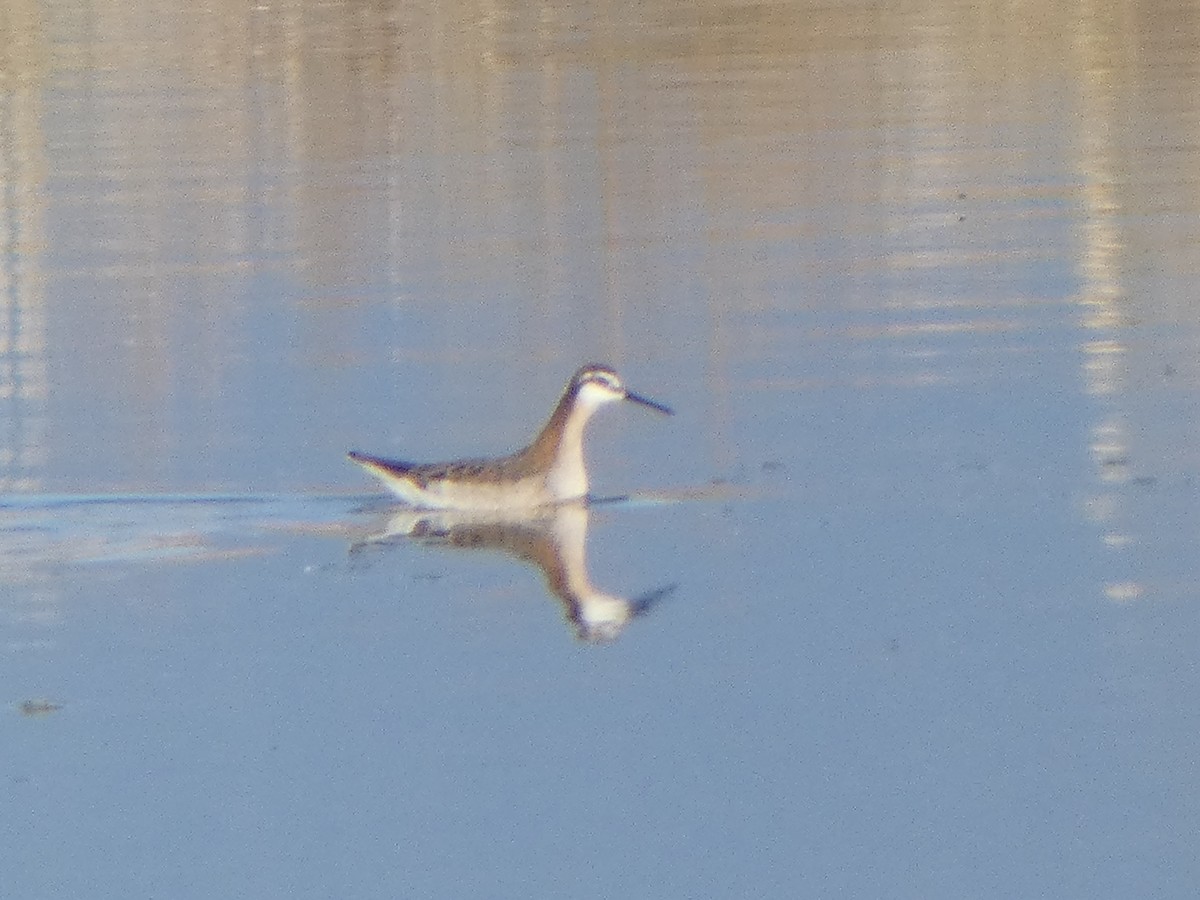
<point>549,471</point>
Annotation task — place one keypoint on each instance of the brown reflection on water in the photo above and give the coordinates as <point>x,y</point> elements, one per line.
<point>1137,155</point>
<point>23,167</point>
<point>610,174</point>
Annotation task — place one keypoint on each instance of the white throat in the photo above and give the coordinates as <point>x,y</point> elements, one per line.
<point>567,479</point>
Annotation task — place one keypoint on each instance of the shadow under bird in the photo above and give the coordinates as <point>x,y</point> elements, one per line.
<point>550,470</point>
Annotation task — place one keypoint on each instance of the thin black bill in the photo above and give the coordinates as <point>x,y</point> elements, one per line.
<point>646,401</point>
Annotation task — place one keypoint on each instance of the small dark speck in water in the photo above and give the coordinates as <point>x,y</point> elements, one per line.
<point>1168,370</point>
<point>38,707</point>
<point>1145,481</point>
<point>773,465</point>
<point>429,576</point>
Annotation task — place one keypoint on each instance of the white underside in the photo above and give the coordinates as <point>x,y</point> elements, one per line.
<point>528,493</point>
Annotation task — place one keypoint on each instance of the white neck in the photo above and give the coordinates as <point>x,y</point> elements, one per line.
<point>567,478</point>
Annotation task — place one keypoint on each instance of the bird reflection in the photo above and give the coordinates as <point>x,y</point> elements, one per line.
<point>554,540</point>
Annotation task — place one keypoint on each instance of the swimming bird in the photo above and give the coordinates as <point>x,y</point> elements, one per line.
<point>550,470</point>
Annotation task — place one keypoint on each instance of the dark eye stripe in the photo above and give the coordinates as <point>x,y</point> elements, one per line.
<point>603,378</point>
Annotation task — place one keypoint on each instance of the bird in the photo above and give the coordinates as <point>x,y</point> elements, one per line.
<point>549,471</point>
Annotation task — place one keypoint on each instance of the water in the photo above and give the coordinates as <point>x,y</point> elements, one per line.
<point>901,605</point>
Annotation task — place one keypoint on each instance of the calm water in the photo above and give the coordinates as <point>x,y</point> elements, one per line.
<point>905,602</point>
